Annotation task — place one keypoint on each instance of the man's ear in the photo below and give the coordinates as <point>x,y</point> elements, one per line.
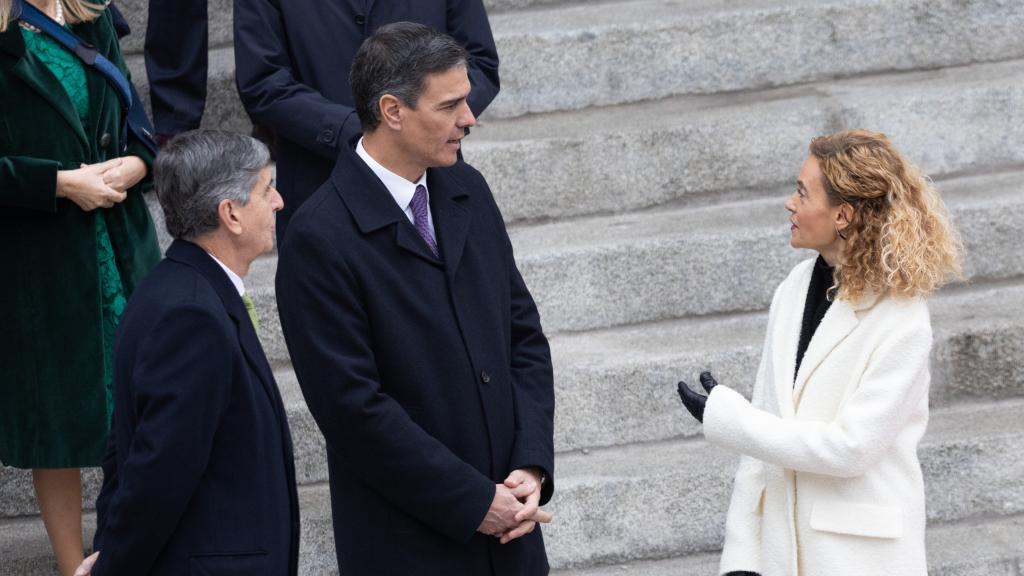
<point>391,111</point>
<point>227,213</point>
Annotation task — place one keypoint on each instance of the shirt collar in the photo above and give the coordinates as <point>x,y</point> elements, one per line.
<point>235,278</point>
<point>401,189</point>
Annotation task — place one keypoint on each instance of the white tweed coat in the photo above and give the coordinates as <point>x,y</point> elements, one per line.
<point>829,483</point>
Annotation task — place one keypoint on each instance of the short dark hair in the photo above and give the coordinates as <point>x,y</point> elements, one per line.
<point>396,60</point>
<point>196,170</point>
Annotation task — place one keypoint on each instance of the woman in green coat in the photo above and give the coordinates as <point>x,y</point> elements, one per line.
<point>75,238</point>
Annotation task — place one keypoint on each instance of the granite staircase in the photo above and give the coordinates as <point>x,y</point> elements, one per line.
<point>641,151</point>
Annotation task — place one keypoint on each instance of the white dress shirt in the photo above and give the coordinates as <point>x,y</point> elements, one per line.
<point>401,189</point>
<point>235,278</point>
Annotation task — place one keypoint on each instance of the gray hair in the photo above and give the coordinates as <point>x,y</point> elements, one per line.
<point>197,170</point>
<point>396,60</point>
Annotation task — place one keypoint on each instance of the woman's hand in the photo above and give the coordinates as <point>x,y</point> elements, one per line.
<point>693,401</point>
<point>123,173</point>
<point>86,187</point>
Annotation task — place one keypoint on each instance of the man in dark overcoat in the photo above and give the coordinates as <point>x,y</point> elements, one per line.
<point>199,477</point>
<point>414,338</point>
<point>292,59</point>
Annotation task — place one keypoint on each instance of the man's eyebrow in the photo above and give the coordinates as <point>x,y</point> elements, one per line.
<point>451,101</point>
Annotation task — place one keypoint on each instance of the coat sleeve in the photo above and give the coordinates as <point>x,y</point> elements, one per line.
<point>27,182</point>
<point>468,24</point>
<point>329,338</point>
<point>180,386</point>
<point>270,89</point>
<point>532,375</point>
<point>893,383</point>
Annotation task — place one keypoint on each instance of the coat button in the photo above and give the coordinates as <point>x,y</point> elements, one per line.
<point>326,136</point>
<point>105,140</point>
<point>360,20</point>
<point>484,376</point>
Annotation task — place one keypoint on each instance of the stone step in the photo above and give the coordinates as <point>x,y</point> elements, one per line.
<point>668,499</point>
<point>970,548</point>
<point>676,262</point>
<point>220,13</point>
<point>671,263</point>
<point>616,387</point>
<point>695,149</point>
<point>600,53</point>
<point>586,55</point>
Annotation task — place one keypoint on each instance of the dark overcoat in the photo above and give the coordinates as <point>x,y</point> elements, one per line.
<point>430,378</point>
<point>53,401</point>
<point>292,60</point>
<point>200,477</point>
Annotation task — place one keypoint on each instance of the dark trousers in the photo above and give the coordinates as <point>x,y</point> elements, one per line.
<point>176,62</point>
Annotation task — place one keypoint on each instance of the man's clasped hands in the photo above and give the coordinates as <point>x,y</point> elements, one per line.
<point>515,510</point>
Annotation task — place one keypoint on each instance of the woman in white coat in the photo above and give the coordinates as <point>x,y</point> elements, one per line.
<point>829,483</point>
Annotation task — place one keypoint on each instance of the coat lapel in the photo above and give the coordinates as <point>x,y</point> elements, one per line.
<point>372,206</point>
<point>451,217</point>
<point>838,322</point>
<point>193,255</point>
<point>34,73</point>
<point>842,317</point>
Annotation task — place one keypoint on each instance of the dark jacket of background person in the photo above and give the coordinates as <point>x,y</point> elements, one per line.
<point>292,60</point>
<point>51,350</point>
<point>202,480</point>
<point>431,382</point>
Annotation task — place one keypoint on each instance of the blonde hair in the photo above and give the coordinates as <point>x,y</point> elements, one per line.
<point>900,240</point>
<point>75,11</point>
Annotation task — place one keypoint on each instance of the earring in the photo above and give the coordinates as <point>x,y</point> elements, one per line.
<point>839,232</point>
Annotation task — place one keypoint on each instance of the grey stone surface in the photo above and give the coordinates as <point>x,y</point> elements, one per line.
<point>972,548</point>
<point>694,149</point>
<point>612,53</point>
<point>643,267</point>
<point>668,499</point>
<point>219,14</point>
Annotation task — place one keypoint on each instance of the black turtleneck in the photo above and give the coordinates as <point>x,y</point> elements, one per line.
<point>815,307</point>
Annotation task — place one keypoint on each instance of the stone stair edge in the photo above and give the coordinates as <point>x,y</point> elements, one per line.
<point>659,269</point>
<point>611,477</point>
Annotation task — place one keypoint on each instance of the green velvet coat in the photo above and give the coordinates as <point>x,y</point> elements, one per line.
<point>53,401</point>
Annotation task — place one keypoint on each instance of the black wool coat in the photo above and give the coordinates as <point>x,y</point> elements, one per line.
<point>430,378</point>
<point>199,477</point>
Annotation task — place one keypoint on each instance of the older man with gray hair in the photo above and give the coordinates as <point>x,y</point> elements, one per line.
<point>199,476</point>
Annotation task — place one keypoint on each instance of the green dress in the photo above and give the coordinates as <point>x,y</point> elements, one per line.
<point>69,70</point>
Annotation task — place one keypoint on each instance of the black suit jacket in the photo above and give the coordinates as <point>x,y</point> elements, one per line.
<point>430,379</point>
<point>292,60</point>
<point>199,478</point>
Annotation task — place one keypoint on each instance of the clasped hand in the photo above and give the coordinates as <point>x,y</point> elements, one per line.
<point>693,401</point>
<point>515,510</point>
<point>100,185</point>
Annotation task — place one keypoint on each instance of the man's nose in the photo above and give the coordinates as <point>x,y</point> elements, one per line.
<point>467,119</point>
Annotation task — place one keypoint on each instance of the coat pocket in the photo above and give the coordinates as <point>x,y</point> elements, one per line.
<point>857,519</point>
<point>229,564</point>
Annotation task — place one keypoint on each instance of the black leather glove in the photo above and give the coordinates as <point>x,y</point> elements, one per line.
<point>693,401</point>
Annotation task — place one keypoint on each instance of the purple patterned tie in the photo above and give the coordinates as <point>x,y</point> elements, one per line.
<point>420,218</point>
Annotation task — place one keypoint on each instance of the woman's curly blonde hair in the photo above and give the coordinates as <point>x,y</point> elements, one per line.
<point>900,240</point>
